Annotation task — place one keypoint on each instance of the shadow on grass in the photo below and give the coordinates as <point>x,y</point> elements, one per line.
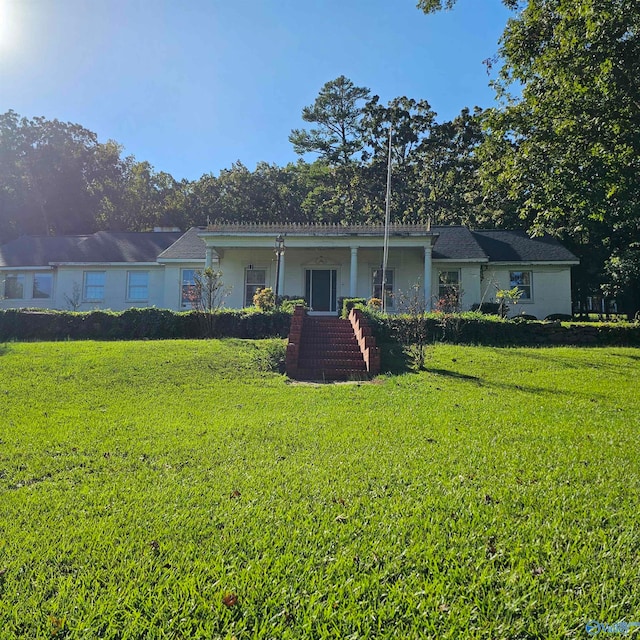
<point>4,349</point>
<point>452,374</point>
<point>394,359</point>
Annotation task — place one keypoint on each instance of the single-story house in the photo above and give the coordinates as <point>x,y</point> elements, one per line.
<point>321,263</point>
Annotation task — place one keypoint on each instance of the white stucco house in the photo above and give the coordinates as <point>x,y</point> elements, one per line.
<point>321,263</point>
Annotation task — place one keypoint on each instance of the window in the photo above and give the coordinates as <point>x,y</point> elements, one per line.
<point>188,287</point>
<point>254,279</point>
<point>137,286</point>
<point>14,286</point>
<point>448,284</point>
<point>377,286</point>
<point>42,285</point>
<point>94,286</point>
<point>522,280</point>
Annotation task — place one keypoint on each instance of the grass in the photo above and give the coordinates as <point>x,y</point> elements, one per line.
<point>171,490</point>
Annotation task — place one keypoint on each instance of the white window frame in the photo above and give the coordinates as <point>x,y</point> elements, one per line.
<point>255,286</point>
<point>376,286</point>
<point>525,288</point>
<point>46,275</point>
<point>132,286</point>
<point>21,281</point>
<point>86,286</point>
<point>445,287</point>
<point>186,286</point>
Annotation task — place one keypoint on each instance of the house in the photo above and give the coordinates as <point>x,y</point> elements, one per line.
<point>321,263</point>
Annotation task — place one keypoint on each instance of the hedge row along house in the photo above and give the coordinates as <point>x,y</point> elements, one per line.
<point>448,265</point>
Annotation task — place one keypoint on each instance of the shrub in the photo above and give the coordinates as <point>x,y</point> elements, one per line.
<point>375,304</point>
<point>265,299</point>
<point>558,317</point>
<point>488,308</point>
<point>289,305</point>
<point>349,303</point>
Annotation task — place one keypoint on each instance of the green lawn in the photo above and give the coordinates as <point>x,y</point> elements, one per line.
<point>171,490</point>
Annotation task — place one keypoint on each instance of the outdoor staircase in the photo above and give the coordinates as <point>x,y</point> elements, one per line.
<point>327,348</point>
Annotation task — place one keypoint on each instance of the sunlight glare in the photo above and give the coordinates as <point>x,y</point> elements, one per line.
<point>8,25</point>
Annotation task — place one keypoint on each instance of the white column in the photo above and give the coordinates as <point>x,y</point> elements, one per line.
<point>353,281</point>
<point>427,277</point>
<point>281,276</point>
<point>208,262</point>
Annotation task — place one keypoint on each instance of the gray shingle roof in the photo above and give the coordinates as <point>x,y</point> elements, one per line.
<point>188,247</point>
<point>456,243</point>
<point>517,246</point>
<point>104,246</point>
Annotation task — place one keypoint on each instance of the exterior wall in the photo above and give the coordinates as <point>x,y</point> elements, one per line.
<point>550,284</point>
<point>164,287</point>
<point>172,284</point>
<point>469,282</point>
<point>407,265</point>
<point>28,300</point>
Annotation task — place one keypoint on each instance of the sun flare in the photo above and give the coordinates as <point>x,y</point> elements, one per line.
<point>8,25</point>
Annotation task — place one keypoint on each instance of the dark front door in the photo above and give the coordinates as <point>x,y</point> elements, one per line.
<point>321,289</point>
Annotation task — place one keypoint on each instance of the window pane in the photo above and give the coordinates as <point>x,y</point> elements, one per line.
<point>188,294</point>
<point>94,285</point>
<point>256,276</point>
<point>254,279</point>
<point>522,280</point>
<point>14,286</point>
<point>42,285</point>
<point>138,285</point>
<point>377,286</point>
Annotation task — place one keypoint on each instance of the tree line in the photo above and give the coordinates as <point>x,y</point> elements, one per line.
<point>559,154</point>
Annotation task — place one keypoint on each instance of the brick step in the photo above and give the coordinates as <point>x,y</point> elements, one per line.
<point>340,331</point>
<point>317,374</point>
<point>335,365</point>
<point>338,343</point>
<point>328,354</point>
<point>331,345</point>
<point>352,354</point>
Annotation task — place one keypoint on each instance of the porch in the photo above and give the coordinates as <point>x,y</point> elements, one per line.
<point>320,263</point>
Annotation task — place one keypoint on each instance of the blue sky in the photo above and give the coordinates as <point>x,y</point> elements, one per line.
<point>194,85</point>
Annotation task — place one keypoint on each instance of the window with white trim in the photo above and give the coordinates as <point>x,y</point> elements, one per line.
<point>377,286</point>
<point>188,288</point>
<point>254,280</point>
<point>42,286</point>
<point>448,285</point>
<point>14,284</point>
<point>137,286</point>
<point>93,287</point>
<point>522,280</point>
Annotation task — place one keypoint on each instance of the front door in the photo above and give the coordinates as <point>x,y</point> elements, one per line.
<point>320,289</point>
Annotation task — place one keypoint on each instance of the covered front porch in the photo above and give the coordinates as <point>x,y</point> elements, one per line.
<point>320,263</point>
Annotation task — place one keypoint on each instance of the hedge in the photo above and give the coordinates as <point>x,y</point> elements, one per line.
<point>135,324</point>
<point>473,328</point>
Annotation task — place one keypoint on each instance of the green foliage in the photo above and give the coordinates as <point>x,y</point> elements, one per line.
<point>336,112</point>
<point>168,489</point>
<point>346,304</point>
<point>270,356</point>
<point>289,305</point>
<point>265,299</point>
<point>507,297</point>
<point>148,323</point>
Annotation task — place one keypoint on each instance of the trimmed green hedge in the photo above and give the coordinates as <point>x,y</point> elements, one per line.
<point>135,324</point>
<point>474,328</point>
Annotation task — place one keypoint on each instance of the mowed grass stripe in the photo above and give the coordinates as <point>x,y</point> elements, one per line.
<point>143,484</point>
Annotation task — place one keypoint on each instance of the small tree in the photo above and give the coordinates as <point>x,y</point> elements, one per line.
<point>75,299</point>
<point>414,332</point>
<point>207,296</point>
<point>507,297</point>
<point>208,293</point>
